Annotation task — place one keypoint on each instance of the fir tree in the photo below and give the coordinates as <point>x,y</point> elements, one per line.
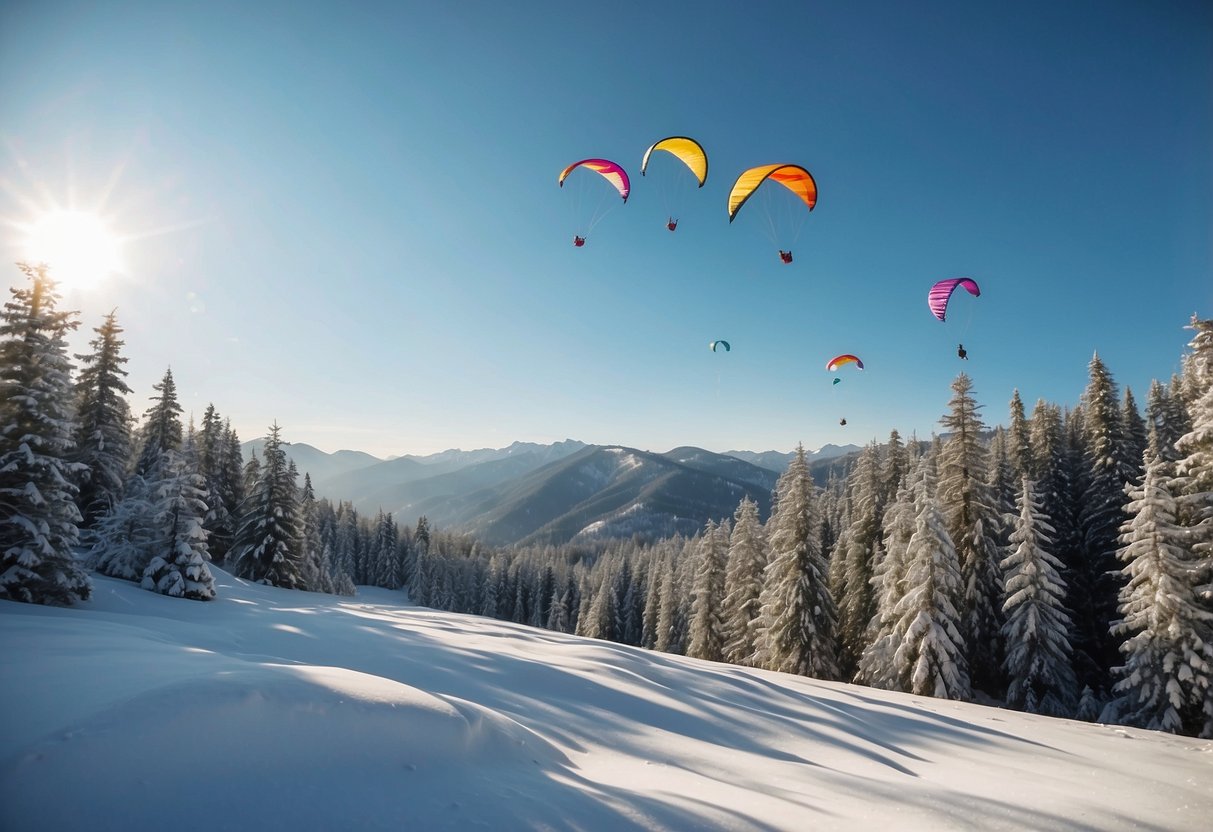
<point>706,636</point>
<point>1136,438</point>
<point>856,601</point>
<point>178,562</point>
<point>162,430</point>
<point>1192,484</point>
<point>1165,681</point>
<point>973,522</point>
<point>1099,519</point>
<point>103,417</point>
<point>796,627</point>
<point>742,581</point>
<point>1019,440</point>
<point>884,635</point>
<point>38,514</point>
<point>1036,630</point>
<point>930,660</point>
<point>267,548</point>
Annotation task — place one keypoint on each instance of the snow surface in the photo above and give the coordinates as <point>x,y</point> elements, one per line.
<point>269,709</point>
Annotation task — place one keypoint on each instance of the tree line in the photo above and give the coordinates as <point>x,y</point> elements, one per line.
<point>1061,565</point>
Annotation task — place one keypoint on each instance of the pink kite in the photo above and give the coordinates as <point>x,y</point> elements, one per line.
<point>938,297</point>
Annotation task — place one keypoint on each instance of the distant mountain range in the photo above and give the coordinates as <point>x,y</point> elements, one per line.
<point>531,493</point>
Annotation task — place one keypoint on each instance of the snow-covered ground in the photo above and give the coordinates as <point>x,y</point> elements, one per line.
<point>275,710</point>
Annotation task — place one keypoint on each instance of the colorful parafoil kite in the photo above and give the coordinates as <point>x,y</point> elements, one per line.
<point>688,151</point>
<point>720,344</point>
<point>612,172</point>
<point>941,293</point>
<point>793,177</point>
<point>842,361</point>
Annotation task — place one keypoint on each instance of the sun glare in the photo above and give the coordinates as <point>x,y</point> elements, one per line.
<point>77,246</point>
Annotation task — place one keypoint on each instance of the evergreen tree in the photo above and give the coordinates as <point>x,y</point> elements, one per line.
<point>161,425</point>
<point>38,514</point>
<point>668,637</point>
<point>930,660</point>
<point>1019,440</point>
<point>884,636</point>
<point>1164,425</point>
<point>973,523</point>
<point>179,555</point>
<point>797,623</point>
<point>123,537</point>
<point>856,601</point>
<point>1136,438</point>
<point>560,616</point>
<point>103,423</point>
<point>314,571</point>
<point>1192,484</point>
<point>896,467</point>
<point>706,636</point>
<point>1099,518</point>
<point>267,547</point>
<point>1037,626</point>
<point>742,581</point>
<point>1165,681</point>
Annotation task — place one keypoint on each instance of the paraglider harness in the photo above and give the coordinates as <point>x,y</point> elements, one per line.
<point>785,256</point>
<point>962,352</point>
<point>578,241</point>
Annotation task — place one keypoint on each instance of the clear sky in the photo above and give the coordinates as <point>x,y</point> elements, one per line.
<point>345,217</point>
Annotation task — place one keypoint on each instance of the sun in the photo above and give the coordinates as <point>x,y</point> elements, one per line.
<point>77,245</point>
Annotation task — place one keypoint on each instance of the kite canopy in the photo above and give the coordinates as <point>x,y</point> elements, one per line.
<point>716,344</point>
<point>941,292</point>
<point>612,172</point>
<point>841,360</point>
<point>793,177</point>
<point>688,151</point>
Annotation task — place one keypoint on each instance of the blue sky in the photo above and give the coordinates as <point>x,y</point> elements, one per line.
<point>347,219</point>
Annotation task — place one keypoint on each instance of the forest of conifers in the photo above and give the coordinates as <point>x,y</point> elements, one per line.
<point>1060,564</point>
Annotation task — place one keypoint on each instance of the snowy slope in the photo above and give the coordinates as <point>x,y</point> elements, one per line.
<point>275,710</point>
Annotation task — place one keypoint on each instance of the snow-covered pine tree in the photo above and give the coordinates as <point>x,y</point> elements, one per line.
<point>313,568</point>
<point>162,430</point>
<point>39,520</point>
<point>1037,627</point>
<point>1192,484</point>
<point>669,637</point>
<point>896,467</point>
<point>103,423</point>
<point>560,615</point>
<point>876,667</point>
<point>228,491</point>
<point>973,523</point>
<point>122,538</point>
<point>743,581</point>
<point>1019,439</point>
<point>1100,515</point>
<point>706,636</point>
<point>179,555</point>
<point>797,624</point>
<point>267,548</point>
<point>1136,437</point>
<point>1003,491</point>
<point>1163,425</point>
<point>862,550</point>
<point>931,658</point>
<point>211,464</point>
<point>1165,681</point>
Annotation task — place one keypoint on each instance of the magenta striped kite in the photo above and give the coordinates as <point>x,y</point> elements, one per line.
<point>938,297</point>
<point>835,363</point>
<point>612,172</point>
